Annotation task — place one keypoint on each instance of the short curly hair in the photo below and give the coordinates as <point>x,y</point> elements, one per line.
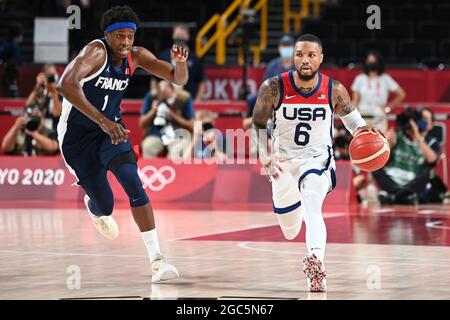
<point>118,14</point>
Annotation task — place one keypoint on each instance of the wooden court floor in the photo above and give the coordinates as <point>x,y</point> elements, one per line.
<point>372,253</point>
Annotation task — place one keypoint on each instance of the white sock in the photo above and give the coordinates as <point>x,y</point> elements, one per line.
<point>316,232</point>
<point>313,192</point>
<point>152,243</point>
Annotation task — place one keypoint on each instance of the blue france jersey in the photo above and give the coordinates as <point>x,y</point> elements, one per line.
<point>104,90</point>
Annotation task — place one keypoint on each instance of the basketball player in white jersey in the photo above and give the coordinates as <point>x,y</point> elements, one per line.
<point>301,103</point>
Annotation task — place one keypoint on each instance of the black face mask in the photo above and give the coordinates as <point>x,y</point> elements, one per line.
<point>373,66</point>
<point>181,42</point>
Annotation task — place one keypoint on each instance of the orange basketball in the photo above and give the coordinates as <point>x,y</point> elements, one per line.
<point>369,151</point>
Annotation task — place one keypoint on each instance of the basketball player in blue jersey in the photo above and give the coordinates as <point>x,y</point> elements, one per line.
<point>301,103</point>
<point>92,136</point>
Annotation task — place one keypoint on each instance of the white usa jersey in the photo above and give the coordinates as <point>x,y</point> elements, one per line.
<point>303,122</point>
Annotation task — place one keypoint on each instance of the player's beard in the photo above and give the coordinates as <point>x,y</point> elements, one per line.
<point>306,77</point>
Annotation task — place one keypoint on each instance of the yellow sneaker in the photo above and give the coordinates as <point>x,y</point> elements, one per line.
<point>106,225</point>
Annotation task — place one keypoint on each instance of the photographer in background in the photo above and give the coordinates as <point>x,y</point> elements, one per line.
<point>29,137</point>
<point>44,94</point>
<point>414,153</point>
<point>196,84</point>
<point>161,114</point>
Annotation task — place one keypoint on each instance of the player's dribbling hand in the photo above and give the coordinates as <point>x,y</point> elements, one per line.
<point>179,53</point>
<point>365,128</point>
<point>114,130</point>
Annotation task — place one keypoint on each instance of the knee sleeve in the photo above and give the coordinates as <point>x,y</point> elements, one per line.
<point>315,186</point>
<point>99,191</point>
<point>290,223</point>
<point>127,175</point>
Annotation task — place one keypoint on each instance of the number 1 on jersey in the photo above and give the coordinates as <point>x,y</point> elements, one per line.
<point>105,103</point>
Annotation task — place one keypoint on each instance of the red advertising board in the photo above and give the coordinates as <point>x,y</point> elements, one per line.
<point>224,83</point>
<point>47,180</point>
<point>419,85</point>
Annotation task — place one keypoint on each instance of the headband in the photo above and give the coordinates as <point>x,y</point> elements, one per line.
<point>121,25</point>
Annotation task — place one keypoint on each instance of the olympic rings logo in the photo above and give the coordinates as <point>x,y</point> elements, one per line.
<point>156,179</point>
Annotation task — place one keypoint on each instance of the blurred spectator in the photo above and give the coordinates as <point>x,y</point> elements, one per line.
<point>340,130</point>
<point>196,85</point>
<point>371,92</point>
<point>414,152</point>
<point>45,95</point>
<point>285,61</point>
<point>10,51</point>
<point>28,136</point>
<point>208,142</point>
<point>162,113</point>
<point>10,57</point>
<point>340,145</point>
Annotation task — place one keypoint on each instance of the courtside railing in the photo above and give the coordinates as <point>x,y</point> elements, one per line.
<point>223,25</point>
<point>296,16</point>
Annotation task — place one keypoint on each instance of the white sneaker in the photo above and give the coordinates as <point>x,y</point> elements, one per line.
<point>161,270</point>
<point>106,225</point>
<point>316,277</point>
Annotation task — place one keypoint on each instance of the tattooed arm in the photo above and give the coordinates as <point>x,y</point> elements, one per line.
<point>267,98</point>
<point>344,106</point>
<point>341,99</point>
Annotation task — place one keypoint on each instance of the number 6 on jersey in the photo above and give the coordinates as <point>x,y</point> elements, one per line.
<point>299,132</point>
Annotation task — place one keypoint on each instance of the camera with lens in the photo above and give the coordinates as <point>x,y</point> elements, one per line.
<point>32,121</point>
<point>160,118</point>
<point>403,120</point>
<point>51,78</point>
